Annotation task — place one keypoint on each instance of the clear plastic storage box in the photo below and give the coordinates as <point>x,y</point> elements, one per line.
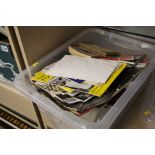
<point>147,110</point>
<point>103,117</point>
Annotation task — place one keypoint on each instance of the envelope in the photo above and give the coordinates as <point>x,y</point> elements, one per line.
<point>89,69</point>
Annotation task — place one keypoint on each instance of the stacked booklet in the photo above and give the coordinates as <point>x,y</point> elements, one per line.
<point>81,82</point>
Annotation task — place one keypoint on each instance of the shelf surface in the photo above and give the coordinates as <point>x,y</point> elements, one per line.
<point>13,99</point>
<point>2,30</point>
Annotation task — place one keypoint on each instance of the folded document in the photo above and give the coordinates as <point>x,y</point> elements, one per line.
<point>88,69</point>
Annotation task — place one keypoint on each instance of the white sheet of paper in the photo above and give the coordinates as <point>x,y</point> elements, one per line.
<point>89,69</point>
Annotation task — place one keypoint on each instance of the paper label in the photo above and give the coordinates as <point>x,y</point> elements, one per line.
<point>41,77</point>
<point>4,48</point>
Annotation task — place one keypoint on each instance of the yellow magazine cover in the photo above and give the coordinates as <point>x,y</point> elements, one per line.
<point>100,90</point>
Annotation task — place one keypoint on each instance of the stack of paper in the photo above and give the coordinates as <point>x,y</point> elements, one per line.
<point>75,80</point>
